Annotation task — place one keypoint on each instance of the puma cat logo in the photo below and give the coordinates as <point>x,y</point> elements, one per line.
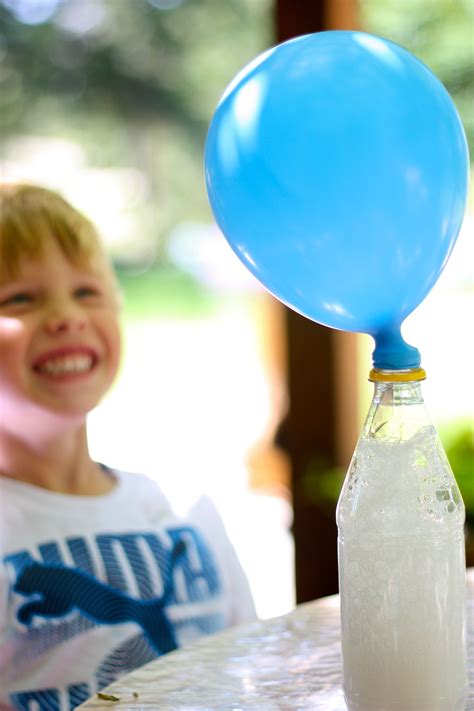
<point>58,590</point>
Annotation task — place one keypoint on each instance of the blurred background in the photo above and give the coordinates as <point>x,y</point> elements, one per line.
<point>222,391</point>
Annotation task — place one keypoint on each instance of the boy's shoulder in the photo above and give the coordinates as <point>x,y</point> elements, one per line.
<point>135,482</point>
<point>138,489</point>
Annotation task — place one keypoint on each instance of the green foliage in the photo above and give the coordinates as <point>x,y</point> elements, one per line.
<point>322,483</point>
<point>164,292</point>
<point>139,64</point>
<point>135,89</point>
<point>460,453</point>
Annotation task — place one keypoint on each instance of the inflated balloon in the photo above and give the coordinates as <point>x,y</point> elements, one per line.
<point>337,168</point>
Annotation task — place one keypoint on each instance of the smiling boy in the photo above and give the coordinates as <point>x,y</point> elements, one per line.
<point>60,344</point>
<point>97,576</point>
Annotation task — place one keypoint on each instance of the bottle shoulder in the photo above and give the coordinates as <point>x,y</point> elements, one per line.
<point>395,486</point>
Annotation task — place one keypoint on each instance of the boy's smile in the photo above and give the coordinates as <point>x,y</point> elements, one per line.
<point>59,334</point>
<point>66,363</point>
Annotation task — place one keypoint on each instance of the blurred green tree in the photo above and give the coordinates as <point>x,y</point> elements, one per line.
<point>134,83</point>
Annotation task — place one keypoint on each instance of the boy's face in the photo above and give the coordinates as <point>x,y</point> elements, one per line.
<point>59,336</point>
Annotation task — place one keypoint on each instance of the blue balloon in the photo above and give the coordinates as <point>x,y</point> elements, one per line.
<point>337,169</point>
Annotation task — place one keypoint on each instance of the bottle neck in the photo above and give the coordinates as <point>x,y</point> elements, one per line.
<point>397,411</point>
<point>396,394</point>
<point>398,387</point>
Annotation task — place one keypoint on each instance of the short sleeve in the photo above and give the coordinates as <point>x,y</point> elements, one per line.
<point>205,515</point>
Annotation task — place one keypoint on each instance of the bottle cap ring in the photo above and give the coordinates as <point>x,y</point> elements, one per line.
<point>396,376</point>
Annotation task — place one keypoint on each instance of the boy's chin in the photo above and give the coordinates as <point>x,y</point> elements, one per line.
<point>73,410</point>
<point>74,400</point>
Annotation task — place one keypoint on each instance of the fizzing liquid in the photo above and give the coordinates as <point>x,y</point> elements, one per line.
<point>403,636</point>
<point>402,579</point>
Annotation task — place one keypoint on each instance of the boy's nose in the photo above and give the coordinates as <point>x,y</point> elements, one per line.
<point>65,320</point>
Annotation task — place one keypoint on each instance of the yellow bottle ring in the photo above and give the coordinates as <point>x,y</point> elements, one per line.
<point>396,376</point>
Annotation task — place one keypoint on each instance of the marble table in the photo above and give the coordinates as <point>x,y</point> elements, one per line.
<point>286,663</point>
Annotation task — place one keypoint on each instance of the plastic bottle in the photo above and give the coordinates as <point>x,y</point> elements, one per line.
<point>402,576</point>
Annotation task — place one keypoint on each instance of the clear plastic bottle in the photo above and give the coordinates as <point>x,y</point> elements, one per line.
<point>401,549</point>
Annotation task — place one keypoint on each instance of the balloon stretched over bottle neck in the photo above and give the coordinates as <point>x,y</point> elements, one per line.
<point>392,352</point>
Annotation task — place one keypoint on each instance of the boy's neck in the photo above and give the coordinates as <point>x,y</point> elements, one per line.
<point>61,464</point>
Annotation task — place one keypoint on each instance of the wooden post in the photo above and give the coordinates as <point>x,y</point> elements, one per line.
<point>321,428</point>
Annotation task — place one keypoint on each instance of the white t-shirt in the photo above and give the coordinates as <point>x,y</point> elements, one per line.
<point>92,587</point>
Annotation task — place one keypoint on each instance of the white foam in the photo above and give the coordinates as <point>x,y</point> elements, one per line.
<point>402,578</point>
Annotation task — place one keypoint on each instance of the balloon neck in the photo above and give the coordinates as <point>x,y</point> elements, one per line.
<point>393,353</point>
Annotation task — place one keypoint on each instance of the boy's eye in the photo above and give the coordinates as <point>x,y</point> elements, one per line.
<point>85,291</point>
<point>17,299</point>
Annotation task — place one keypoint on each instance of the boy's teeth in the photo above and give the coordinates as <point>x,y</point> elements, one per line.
<point>68,364</point>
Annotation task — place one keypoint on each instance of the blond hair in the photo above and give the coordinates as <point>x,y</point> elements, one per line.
<point>30,216</point>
